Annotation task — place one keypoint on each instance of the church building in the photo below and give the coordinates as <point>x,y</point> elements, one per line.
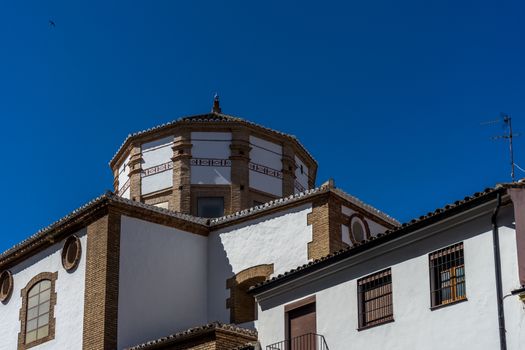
<point>216,237</point>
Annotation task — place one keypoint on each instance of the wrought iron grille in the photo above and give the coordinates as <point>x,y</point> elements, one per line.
<point>309,341</point>
<point>375,299</point>
<point>447,275</point>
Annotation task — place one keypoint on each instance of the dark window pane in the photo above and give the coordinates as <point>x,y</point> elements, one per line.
<point>210,207</point>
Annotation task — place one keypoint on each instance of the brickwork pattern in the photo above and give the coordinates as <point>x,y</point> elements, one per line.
<point>240,197</point>
<point>181,199</point>
<point>240,303</point>
<point>101,285</point>
<point>135,169</point>
<point>326,219</point>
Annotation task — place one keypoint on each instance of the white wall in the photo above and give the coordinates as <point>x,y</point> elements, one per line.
<point>266,154</point>
<point>157,153</point>
<point>123,177</point>
<point>162,281</point>
<point>69,309</point>
<point>459,326</point>
<point>280,239</point>
<point>301,178</point>
<point>210,146</point>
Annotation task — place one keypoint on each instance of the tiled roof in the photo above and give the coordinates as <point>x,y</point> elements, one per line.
<point>427,219</point>
<point>195,331</point>
<point>29,242</point>
<point>210,223</point>
<point>297,197</point>
<point>207,118</point>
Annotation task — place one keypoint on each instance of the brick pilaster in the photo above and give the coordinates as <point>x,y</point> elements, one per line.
<point>240,173</point>
<point>101,283</point>
<point>325,220</point>
<point>181,197</point>
<point>135,170</point>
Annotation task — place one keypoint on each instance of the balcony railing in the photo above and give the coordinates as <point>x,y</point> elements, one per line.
<point>309,341</point>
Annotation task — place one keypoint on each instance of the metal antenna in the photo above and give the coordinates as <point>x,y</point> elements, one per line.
<point>507,120</point>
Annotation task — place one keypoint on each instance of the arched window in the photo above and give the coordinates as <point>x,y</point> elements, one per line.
<point>37,314</point>
<point>38,307</point>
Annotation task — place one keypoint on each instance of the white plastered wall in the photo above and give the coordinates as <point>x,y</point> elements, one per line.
<point>69,309</point>
<point>301,176</point>
<point>162,281</point>
<point>266,154</point>
<point>123,177</point>
<point>279,238</point>
<point>154,154</point>
<point>211,146</point>
<point>455,327</point>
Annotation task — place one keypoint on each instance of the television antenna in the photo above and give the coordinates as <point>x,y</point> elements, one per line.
<point>509,135</point>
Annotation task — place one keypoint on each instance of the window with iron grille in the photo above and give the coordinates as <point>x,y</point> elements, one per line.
<point>447,275</point>
<point>375,299</point>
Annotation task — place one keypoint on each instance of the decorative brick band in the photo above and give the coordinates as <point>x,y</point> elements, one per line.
<point>156,169</point>
<point>265,170</point>
<point>210,162</point>
<point>240,303</point>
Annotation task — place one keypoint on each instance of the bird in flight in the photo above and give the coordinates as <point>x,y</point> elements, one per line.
<point>51,24</point>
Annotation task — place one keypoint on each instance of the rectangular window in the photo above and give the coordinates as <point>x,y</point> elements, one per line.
<point>375,299</point>
<point>447,275</point>
<point>210,207</point>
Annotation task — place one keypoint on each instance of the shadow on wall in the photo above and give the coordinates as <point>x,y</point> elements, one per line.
<point>391,257</point>
<point>243,255</point>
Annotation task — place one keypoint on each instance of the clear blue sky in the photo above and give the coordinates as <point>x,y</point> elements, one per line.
<point>387,95</point>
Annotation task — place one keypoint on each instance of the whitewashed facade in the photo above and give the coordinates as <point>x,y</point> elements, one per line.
<point>472,322</point>
<point>149,271</point>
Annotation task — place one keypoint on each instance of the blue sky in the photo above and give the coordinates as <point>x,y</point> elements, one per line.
<point>387,95</point>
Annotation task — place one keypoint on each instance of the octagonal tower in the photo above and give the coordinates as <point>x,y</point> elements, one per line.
<point>211,165</point>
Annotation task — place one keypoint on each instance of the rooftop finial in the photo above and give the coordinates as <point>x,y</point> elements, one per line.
<point>216,107</point>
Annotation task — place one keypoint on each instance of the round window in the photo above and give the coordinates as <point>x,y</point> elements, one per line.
<point>358,231</point>
<point>71,253</point>
<point>6,285</point>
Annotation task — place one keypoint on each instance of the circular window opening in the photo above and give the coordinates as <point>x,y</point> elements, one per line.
<point>358,231</point>
<point>71,253</point>
<point>6,285</point>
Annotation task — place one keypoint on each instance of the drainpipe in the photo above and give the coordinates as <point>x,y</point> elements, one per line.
<point>497,267</point>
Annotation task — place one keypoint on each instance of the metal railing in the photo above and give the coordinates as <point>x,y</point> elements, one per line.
<point>309,341</point>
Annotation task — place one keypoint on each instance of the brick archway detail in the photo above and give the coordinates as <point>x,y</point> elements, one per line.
<point>240,303</point>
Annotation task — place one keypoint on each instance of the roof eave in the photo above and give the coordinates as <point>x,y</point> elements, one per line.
<point>381,239</point>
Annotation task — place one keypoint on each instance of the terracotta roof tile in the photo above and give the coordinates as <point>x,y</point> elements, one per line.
<point>211,223</point>
<point>206,118</point>
<point>405,227</point>
<point>194,331</point>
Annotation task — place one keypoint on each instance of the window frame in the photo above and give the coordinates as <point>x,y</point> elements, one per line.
<point>52,277</point>
<point>361,302</point>
<point>447,260</point>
